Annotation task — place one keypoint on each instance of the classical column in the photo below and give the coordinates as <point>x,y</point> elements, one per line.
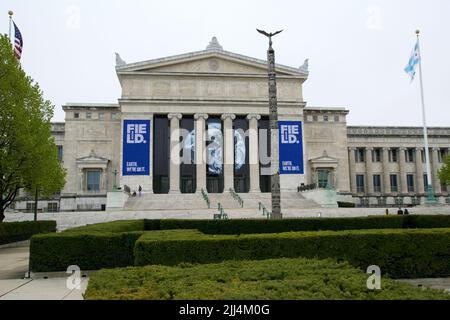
<point>228,149</point>
<point>352,168</point>
<point>386,173</point>
<point>254,152</point>
<point>435,167</point>
<point>369,171</point>
<point>402,169</point>
<point>419,171</point>
<point>174,173</point>
<point>200,150</point>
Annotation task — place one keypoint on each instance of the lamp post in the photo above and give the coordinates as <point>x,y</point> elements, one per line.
<point>273,108</point>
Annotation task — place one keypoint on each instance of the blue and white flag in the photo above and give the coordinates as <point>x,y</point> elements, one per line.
<point>413,62</point>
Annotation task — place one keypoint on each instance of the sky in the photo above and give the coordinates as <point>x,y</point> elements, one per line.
<point>357,48</point>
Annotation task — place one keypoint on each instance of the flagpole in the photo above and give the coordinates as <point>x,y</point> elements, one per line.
<point>10,23</point>
<point>430,192</point>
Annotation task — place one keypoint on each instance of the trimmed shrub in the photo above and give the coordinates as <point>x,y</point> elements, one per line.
<point>89,251</point>
<point>399,253</point>
<point>280,279</point>
<point>114,226</point>
<point>423,221</point>
<point>249,226</point>
<point>21,231</point>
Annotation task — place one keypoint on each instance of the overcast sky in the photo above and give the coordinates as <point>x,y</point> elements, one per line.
<point>357,48</point>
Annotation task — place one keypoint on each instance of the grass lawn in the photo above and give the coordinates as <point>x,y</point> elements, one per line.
<point>277,279</point>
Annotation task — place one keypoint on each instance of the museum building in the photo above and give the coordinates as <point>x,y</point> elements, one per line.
<point>197,124</point>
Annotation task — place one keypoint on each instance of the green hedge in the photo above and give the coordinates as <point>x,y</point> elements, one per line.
<point>280,279</point>
<point>93,251</point>
<point>114,226</point>
<point>399,253</point>
<point>20,231</point>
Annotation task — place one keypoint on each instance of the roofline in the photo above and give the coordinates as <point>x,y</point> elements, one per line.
<point>137,65</point>
<point>90,105</point>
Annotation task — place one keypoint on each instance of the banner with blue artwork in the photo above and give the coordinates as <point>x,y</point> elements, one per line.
<point>291,147</point>
<point>136,148</point>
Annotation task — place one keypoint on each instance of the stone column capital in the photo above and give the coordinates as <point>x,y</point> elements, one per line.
<point>435,149</point>
<point>199,116</point>
<point>178,116</point>
<point>352,148</point>
<point>419,149</point>
<point>369,149</point>
<point>402,149</point>
<point>254,116</point>
<point>226,116</point>
<point>386,149</point>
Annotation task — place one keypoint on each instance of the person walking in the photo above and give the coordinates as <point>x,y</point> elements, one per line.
<point>140,191</point>
<point>387,212</point>
<point>406,212</point>
<point>400,211</point>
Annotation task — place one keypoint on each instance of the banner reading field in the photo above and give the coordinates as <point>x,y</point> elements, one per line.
<point>291,147</point>
<point>136,148</point>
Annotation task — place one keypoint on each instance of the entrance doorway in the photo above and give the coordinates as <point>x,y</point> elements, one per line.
<point>324,178</point>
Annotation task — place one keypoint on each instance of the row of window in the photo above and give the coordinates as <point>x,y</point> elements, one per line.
<point>100,115</point>
<point>410,155</point>
<point>326,118</point>
<point>399,201</point>
<point>376,182</point>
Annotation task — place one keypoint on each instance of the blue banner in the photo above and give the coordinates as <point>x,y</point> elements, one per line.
<point>136,148</point>
<point>291,147</point>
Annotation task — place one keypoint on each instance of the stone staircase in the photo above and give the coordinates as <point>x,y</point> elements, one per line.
<point>188,202</point>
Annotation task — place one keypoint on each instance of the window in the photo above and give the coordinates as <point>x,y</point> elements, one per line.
<point>359,155</point>
<point>336,118</point>
<point>101,116</point>
<point>360,183</point>
<point>394,183</point>
<point>76,115</point>
<point>325,118</point>
<point>30,206</point>
<point>410,182</point>
<point>114,116</point>
<point>376,155</point>
<point>409,155</point>
<point>442,153</point>
<point>88,115</point>
<point>398,201</point>
<point>52,207</point>
<point>323,177</point>
<point>382,201</point>
<point>393,155</point>
<point>93,180</point>
<point>377,183</point>
<point>60,153</point>
<point>425,181</point>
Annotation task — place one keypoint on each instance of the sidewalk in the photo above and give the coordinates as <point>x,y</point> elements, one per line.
<point>14,285</point>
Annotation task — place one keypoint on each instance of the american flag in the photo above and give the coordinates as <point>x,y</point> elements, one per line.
<point>18,42</point>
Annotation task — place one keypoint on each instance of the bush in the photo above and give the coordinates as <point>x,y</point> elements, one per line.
<point>280,279</point>
<point>93,251</point>
<point>20,231</point>
<point>249,226</point>
<point>399,253</point>
<point>114,226</point>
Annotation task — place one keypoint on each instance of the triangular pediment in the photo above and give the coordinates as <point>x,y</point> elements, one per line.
<point>92,158</point>
<point>325,158</point>
<point>209,61</point>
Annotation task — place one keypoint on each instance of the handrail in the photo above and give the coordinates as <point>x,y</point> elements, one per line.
<point>237,197</point>
<point>265,211</point>
<point>206,198</point>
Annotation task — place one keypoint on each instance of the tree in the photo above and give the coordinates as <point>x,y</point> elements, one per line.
<point>28,154</point>
<point>444,172</point>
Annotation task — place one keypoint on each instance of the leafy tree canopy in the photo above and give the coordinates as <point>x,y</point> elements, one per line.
<point>28,154</point>
<point>444,172</point>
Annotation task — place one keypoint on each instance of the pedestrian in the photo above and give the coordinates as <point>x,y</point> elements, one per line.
<point>387,212</point>
<point>406,212</point>
<point>140,191</point>
<point>400,211</point>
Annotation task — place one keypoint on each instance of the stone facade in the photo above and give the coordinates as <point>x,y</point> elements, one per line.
<point>218,84</point>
